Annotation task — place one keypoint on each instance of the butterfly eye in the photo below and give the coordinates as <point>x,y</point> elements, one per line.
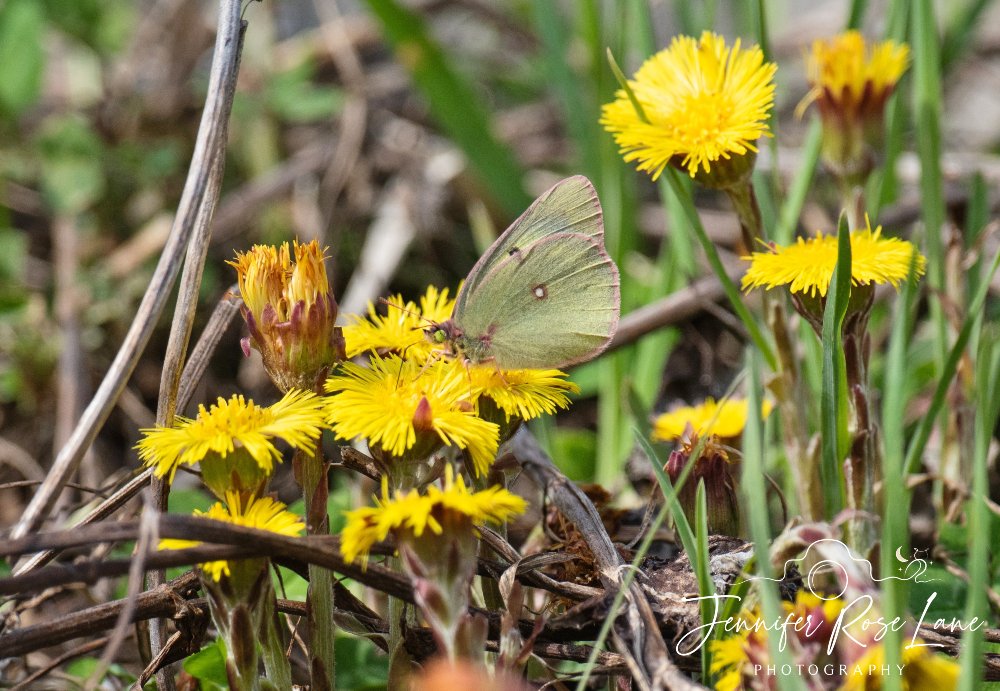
<point>439,336</point>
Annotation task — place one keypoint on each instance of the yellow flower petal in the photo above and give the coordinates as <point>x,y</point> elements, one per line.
<point>380,404</point>
<point>702,102</point>
<point>416,513</point>
<point>525,394</point>
<point>298,418</point>
<point>401,329</point>
<point>261,513</point>
<point>726,419</point>
<point>807,266</point>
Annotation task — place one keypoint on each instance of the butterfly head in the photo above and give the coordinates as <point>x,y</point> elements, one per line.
<point>445,334</point>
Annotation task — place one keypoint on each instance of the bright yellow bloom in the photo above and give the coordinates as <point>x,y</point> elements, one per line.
<point>523,393</point>
<point>812,624</point>
<point>401,330</point>
<point>398,404</point>
<point>728,658</point>
<point>807,266</point>
<point>262,513</point>
<point>411,513</point>
<point>267,277</point>
<point>851,78</point>
<point>290,312</point>
<point>230,425</point>
<point>701,102</point>
<point>923,670</point>
<point>726,419</point>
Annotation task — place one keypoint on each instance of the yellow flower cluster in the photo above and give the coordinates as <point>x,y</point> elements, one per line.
<point>851,78</point>
<point>260,513</point>
<point>412,513</point>
<point>406,403</point>
<point>410,399</point>
<point>726,419</point>
<point>699,102</point>
<point>859,657</point>
<point>234,442</point>
<point>231,425</point>
<point>807,266</point>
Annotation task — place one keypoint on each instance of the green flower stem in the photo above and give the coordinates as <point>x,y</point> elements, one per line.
<point>744,201</point>
<point>789,392</point>
<point>790,398</point>
<point>276,666</point>
<point>236,603</point>
<point>403,476</point>
<point>399,614</point>
<point>730,289</point>
<point>862,458</point>
<point>310,470</point>
<point>441,569</point>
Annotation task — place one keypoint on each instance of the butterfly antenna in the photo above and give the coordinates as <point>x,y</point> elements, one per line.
<point>412,313</point>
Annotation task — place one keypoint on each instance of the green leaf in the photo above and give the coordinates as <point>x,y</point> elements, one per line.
<point>21,27</point>
<point>919,440</point>
<point>833,399</point>
<point>208,666</point>
<point>71,154</point>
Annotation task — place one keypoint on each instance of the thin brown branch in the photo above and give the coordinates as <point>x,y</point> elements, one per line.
<point>194,199</point>
<point>672,309</point>
<point>88,647</point>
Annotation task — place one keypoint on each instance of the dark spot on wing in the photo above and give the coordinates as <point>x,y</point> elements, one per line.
<point>516,253</point>
<point>540,291</point>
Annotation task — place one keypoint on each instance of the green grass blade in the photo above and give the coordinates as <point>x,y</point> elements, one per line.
<point>958,38</point>
<point>979,516</point>
<point>670,506</point>
<point>735,300</point>
<point>833,398</point>
<point>453,103</point>
<point>857,14</point>
<point>883,182</point>
<point>896,518</point>
<point>551,27</point>
<point>701,570</point>
<point>752,489</point>
<point>927,111</point>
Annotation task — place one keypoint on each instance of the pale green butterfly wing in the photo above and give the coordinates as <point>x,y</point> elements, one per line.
<point>553,303</point>
<point>569,206</point>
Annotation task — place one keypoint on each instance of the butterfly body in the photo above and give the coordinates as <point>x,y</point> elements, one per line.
<point>545,294</point>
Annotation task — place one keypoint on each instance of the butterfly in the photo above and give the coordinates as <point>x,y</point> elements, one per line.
<point>546,294</point>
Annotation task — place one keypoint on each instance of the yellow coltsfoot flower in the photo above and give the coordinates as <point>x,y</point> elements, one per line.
<point>850,81</point>
<point>509,397</point>
<point>806,268</point>
<point>922,669</point>
<point>407,410</point>
<point>412,514</point>
<point>290,312</point>
<point>436,534</point>
<point>703,106</point>
<point>725,419</point>
<point>735,659</point>
<point>401,329</point>
<point>261,513</point>
<point>234,436</point>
